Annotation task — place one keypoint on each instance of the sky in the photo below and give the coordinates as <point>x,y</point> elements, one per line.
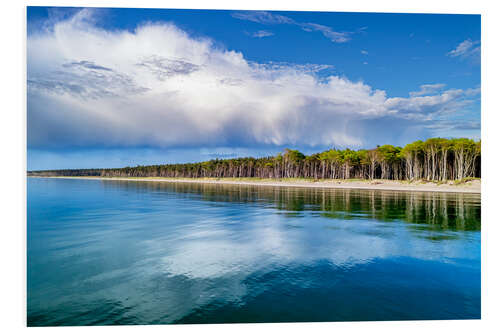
<point>110,87</point>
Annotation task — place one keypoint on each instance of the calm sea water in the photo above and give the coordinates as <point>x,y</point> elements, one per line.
<point>119,252</point>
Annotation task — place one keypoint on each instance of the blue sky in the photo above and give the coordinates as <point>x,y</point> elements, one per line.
<point>117,87</point>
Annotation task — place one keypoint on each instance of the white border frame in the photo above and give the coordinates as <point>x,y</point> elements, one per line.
<point>13,135</point>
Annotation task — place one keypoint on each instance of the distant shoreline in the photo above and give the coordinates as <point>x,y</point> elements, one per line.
<point>473,186</point>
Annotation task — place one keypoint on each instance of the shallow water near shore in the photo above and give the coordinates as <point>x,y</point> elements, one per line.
<point>129,252</point>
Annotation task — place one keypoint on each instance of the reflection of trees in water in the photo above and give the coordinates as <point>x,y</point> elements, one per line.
<point>444,210</point>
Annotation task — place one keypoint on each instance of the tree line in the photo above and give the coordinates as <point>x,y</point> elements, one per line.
<point>436,159</point>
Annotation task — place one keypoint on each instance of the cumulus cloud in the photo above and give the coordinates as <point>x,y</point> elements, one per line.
<point>429,106</point>
<point>159,87</point>
<point>467,49</point>
<point>84,79</point>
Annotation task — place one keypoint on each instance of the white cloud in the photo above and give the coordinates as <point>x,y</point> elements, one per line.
<point>262,33</point>
<point>334,36</point>
<point>364,52</point>
<point>263,17</point>
<point>269,18</point>
<point>159,87</point>
<point>429,106</point>
<point>467,49</point>
<point>427,89</point>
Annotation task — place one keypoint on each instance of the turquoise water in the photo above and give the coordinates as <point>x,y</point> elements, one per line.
<point>125,252</point>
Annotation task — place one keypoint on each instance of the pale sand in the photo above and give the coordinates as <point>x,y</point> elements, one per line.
<point>473,186</point>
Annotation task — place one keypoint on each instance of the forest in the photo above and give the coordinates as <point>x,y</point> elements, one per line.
<point>436,159</point>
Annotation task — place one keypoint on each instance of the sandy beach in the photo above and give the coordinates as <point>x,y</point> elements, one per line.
<point>472,186</point>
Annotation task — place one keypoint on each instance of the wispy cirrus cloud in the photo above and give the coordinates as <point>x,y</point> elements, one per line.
<point>426,89</point>
<point>157,86</point>
<point>263,17</point>
<point>334,36</point>
<point>268,18</point>
<point>260,34</point>
<point>468,49</point>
